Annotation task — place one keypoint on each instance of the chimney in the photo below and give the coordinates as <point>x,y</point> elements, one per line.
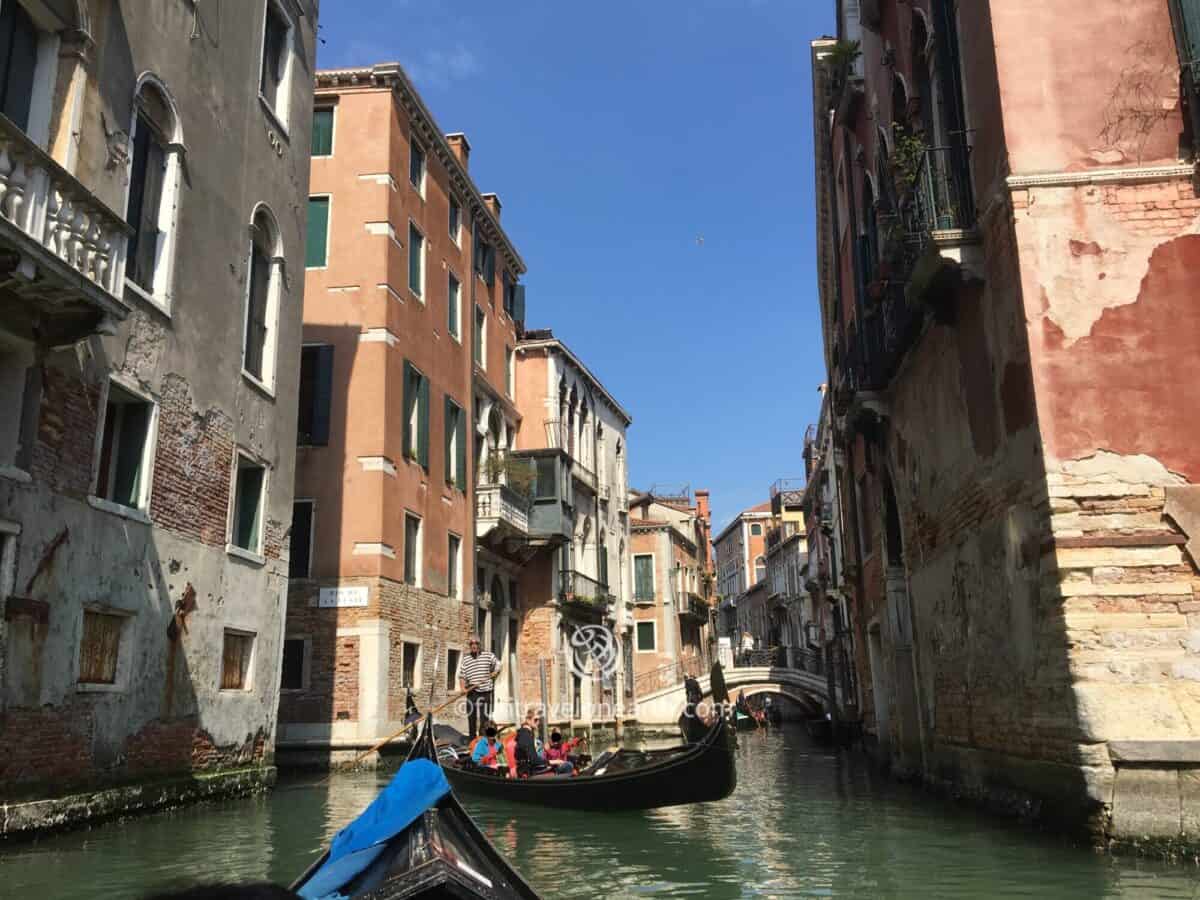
<point>493,204</point>
<point>461,146</point>
<point>702,506</point>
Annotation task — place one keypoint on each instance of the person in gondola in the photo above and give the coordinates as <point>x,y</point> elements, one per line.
<point>477,676</point>
<point>488,753</point>
<point>528,760</point>
<point>558,754</point>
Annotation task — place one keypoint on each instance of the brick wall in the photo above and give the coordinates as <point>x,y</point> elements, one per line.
<point>70,413</point>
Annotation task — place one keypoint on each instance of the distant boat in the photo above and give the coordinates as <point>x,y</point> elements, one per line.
<point>414,840</point>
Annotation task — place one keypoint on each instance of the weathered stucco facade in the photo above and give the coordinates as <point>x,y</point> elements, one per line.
<point>1009,328</point>
<point>146,484</point>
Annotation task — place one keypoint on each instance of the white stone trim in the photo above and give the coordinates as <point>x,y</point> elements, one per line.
<point>392,292</point>
<point>343,289</point>
<point>378,336</point>
<point>380,178</point>
<point>373,548</point>
<point>1124,175</point>
<point>377,464</point>
<point>383,228</point>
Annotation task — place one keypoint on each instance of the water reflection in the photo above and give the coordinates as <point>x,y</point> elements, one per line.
<point>803,823</point>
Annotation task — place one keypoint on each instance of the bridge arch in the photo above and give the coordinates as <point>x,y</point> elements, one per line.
<point>663,707</point>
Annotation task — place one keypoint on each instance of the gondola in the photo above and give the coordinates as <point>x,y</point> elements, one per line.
<point>414,840</point>
<point>624,779</point>
<point>744,722</point>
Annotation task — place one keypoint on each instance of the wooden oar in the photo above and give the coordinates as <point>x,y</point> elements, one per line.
<point>392,737</point>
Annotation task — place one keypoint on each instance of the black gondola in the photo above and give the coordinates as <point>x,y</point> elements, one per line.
<point>625,779</point>
<point>414,840</point>
<point>744,721</point>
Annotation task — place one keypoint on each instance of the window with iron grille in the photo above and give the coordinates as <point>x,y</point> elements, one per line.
<point>409,655</point>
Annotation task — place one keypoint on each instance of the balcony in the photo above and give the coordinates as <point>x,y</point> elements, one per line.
<point>786,493</point>
<point>693,607</point>
<point>550,508</point>
<point>644,596</point>
<point>62,251</point>
<point>584,475</point>
<point>500,511</point>
<point>943,226</point>
<point>583,592</point>
<point>780,533</point>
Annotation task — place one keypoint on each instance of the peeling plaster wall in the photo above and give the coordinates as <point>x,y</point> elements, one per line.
<point>167,714</point>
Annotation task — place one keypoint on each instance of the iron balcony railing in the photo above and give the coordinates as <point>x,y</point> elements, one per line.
<point>942,194</point>
<point>575,587</point>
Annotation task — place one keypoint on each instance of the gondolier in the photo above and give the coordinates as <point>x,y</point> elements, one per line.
<point>477,676</point>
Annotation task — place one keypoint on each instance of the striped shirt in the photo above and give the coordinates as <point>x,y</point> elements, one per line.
<point>477,671</point>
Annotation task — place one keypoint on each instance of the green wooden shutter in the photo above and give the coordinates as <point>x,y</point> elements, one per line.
<point>449,425</point>
<point>317,245</point>
<point>322,132</point>
<point>410,397</point>
<point>460,464</point>
<point>423,422</point>
<point>518,312</point>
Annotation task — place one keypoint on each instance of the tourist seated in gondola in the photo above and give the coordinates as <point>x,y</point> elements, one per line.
<point>559,755</point>
<point>488,752</point>
<point>528,761</point>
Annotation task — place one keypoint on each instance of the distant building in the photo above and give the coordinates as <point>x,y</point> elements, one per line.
<point>154,175</point>
<point>672,588</point>
<point>577,573</point>
<point>739,554</point>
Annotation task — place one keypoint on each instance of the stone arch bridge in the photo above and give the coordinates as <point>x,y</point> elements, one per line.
<point>810,691</point>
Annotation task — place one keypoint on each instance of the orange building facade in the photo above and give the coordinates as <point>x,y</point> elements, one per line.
<point>411,316</point>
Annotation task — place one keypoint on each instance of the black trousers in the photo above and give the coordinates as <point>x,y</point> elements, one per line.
<point>479,711</point>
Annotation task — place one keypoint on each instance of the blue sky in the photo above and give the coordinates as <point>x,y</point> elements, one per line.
<point>654,160</point>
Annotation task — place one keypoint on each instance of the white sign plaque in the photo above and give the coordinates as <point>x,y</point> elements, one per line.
<point>343,596</point>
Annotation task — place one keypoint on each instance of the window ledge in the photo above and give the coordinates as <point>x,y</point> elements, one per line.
<point>234,692</point>
<point>161,304</point>
<point>13,473</point>
<point>274,117</point>
<point>87,687</point>
<point>258,385</point>
<point>247,556</point>
<point>117,509</point>
<point>417,296</point>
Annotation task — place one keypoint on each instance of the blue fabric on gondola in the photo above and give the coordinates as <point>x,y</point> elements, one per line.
<point>417,786</point>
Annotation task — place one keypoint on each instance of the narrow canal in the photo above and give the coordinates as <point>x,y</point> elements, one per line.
<point>803,822</point>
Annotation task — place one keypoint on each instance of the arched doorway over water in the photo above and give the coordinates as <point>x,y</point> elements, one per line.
<point>900,632</point>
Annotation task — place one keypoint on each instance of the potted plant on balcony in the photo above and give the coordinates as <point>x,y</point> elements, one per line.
<point>908,155</point>
<point>841,61</point>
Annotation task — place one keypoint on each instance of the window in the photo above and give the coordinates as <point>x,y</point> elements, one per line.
<point>294,659</point>
<point>485,259</point>
<point>410,668</point>
<point>316,395</point>
<point>18,59</point>
<point>454,308</point>
<point>453,562</point>
<point>153,175</point>
<point>509,382</point>
<point>412,550</point>
<point>456,445</point>
<point>416,416</point>
<point>16,426</point>
<point>316,248</point>
<point>125,457</point>
<point>300,554</point>
<point>645,637</point>
<point>235,661</point>
<point>322,133</point>
<point>756,530</point>
<point>480,338</point>
<point>452,658</point>
<point>760,570</point>
<point>643,578</point>
<point>455,219</point>
<point>416,261</point>
<point>275,80</point>
<point>100,647</point>
<point>416,167</point>
<point>248,505</point>
<point>509,290</point>
<point>262,300</point>
<point>546,487</point>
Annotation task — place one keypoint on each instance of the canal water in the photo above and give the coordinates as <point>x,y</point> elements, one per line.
<point>804,822</point>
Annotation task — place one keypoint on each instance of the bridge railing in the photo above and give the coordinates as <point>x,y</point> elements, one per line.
<point>797,658</point>
<point>668,675</point>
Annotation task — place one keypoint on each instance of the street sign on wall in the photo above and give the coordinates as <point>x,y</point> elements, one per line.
<point>343,596</point>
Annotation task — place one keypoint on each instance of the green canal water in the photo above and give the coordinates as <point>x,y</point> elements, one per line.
<point>803,823</point>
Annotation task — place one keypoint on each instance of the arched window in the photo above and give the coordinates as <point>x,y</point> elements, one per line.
<point>150,209</point>
<point>760,570</point>
<point>19,37</point>
<point>262,298</point>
